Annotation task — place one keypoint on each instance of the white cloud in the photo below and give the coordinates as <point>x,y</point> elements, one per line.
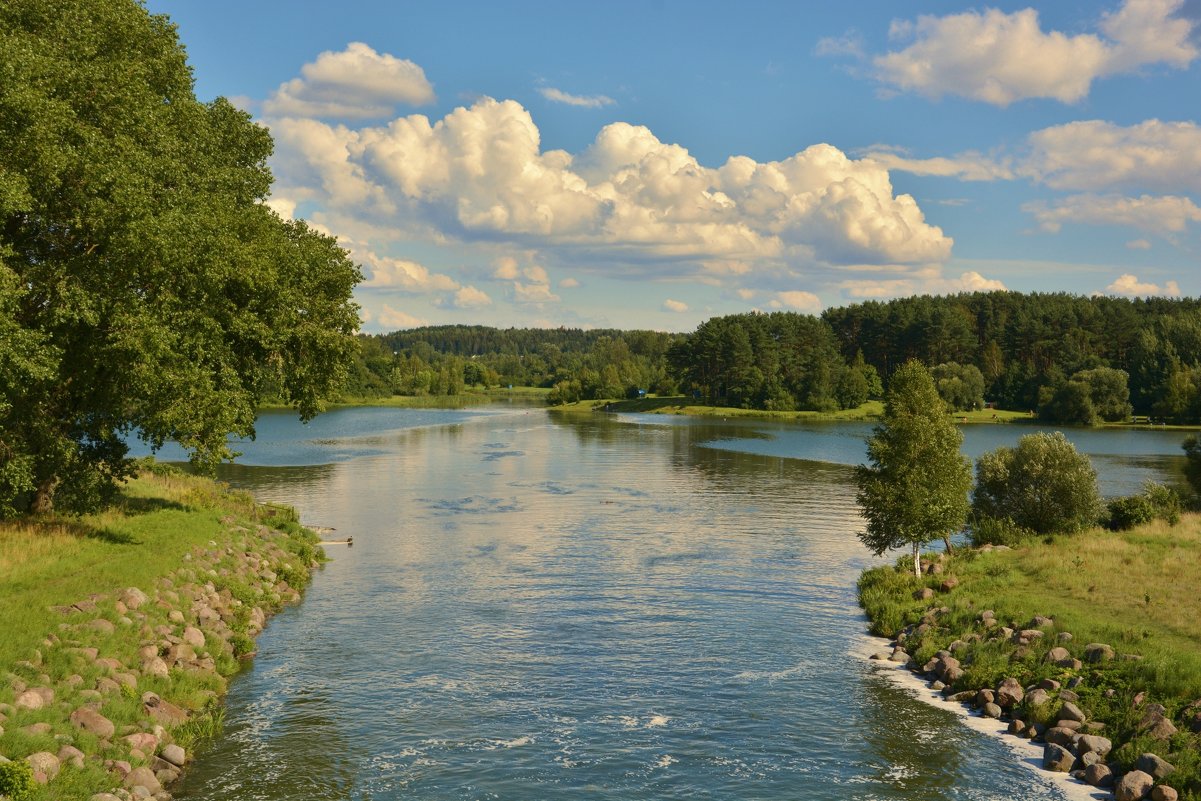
<point>999,58</point>
<point>677,306</point>
<point>355,83</point>
<point>469,297</point>
<point>929,281</point>
<point>568,283</point>
<point>1138,244</point>
<point>1158,214</point>
<point>746,294</point>
<point>1130,285</point>
<point>966,166</point>
<point>849,44</point>
<point>401,274</point>
<point>395,318</point>
<point>533,293</point>
<point>795,299</point>
<point>1098,155</point>
<point>583,101</point>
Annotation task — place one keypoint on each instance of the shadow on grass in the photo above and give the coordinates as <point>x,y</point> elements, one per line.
<point>647,404</point>
<point>144,506</point>
<point>81,530</point>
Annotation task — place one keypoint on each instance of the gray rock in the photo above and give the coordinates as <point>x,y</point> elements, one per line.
<point>143,777</point>
<point>1038,622</point>
<point>1059,735</point>
<point>1057,758</point>
<point>44,764</point>
<point>1134,786</point>
<point>1037,697</point>
<point>29,699</point>
<point>924,594</point>
<point>1156,725</point>
<point>1164,793</point>
<point>104,797</point>
<point>93,722</point>
<point>1098,652</point>
<point>985,697</point>
<point>1016,727</point>
<point>1070,711</point>
<point>1154,765</point>
<point>1091,743</point>
<point>174,754</point>
<point>1057,654</point>
<point>991,710</point>
<point>133,598</point>
<point>1010,693</point>
<point>1099,775</point>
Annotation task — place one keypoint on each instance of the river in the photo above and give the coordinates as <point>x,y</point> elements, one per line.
<point>613,607</point>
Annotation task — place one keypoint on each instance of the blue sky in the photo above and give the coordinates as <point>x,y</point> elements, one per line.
<point>651,165</point>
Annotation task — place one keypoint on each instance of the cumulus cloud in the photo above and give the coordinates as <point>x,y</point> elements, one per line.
<point>400,274</point>
<point>1138,244</point>
<point>796,299</point>
<point>849,44</point>
<point>354,83</point>
<point>1097,155</point>
<point>926,282</point>
<point>568,283</point>
<point>533,293</point>
<point>395,318</point>
<point>583,101</point>
<point>1000,58</point>
<point>677,306</point>
<point>1130,286</point>
<point>469,297</point>
<point>628,201</point>
<point>1157,214</point>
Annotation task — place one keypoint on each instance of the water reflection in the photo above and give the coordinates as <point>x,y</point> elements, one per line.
<point>558,608</point>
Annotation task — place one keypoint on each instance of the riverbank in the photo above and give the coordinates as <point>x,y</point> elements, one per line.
<point>122,629</point>
<point>1097,634</point>
<point>468,398</point>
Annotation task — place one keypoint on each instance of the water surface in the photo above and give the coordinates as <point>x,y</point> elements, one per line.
<point>609,607</point>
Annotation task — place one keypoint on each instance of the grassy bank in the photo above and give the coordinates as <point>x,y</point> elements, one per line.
<point>469,397</point>
<point>161,594</point>
<point>682,405</point>
<point>1135,591</point>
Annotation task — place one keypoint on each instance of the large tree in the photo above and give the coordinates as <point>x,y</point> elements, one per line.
<point>915,488</point>
<point>145,286</point>
<point>1044,485</point>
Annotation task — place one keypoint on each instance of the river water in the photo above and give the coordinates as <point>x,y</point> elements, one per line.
<point>613,607</point>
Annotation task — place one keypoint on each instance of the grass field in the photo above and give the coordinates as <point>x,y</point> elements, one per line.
<point>683,405</point>
<point>1136,591</point>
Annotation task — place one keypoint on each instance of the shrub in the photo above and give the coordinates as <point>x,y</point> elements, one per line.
<point>1156,502</point>
<point>16,780</point>
<point>997,531</point>
<point>1043,485</point>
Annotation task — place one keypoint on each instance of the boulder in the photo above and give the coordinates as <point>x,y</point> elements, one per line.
<point>1016,727</point>
<point>101,625</point>
<point>29,700</point>
<point>164,712</point>
<point>174,754</point>
<point>1134,786</point>
<point>1037,697</point>
<point>985,697</point>
<point>143,777</point>
<point>991,711</point>
<point>45,766</point>
<point>1057,654</point>
<point>1154,765</point>
<point>1099,775</point>
<point>924,594</point>
<point>1057,758</point>
<point>93,722</point>
<point>1010,693</point>
<point>1060,736</point>
<point>1156,724</point>
<point>949,584</point>
<point>143,741</point>
<point>1164,793</point>
<point>1098,652</point>
<point>69,753</point>
<point>104,797</point>
<point>193,637</point>
<point>132,597</point>
<point>1093,744</point>
<point>1070,711</point>
<point>155,666</point>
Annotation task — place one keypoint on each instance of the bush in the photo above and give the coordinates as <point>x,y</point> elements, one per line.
<point>1156,502</point>
<point>16,780</point>
<point>1043,485</point>
<point>997,531</point>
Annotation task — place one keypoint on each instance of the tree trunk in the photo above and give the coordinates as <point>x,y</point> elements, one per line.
<point>946,538</point>
<point>917,561</point>
<point>43,498</point>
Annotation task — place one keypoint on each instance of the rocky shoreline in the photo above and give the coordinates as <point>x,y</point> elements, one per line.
<point>1048,712</point>
<point>134,677</point>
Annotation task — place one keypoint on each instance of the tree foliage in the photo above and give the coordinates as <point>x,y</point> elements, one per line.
<point>915,487</point>
<point>1043,485</point>
<point>960,385</point>
<point>145,286</point>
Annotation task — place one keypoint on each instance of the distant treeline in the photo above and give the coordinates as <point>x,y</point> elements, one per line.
<point>1071,358</point>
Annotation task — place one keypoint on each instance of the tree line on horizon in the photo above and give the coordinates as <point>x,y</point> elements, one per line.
<point>1069,358</point>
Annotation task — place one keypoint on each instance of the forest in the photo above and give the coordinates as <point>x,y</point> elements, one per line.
<point>1068,358</point>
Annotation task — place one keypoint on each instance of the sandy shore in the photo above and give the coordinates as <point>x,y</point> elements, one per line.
<point>1027,753</point>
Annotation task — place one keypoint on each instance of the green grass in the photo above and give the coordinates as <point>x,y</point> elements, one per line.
<point>167,527</point>
<point>682,405</point>
<point>475,396</point>
<point>1134,590</point>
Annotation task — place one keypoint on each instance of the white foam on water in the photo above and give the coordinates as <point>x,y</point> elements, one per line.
<point>657,722</point>
<point>665,761</point>
<point>515,743</point>
<point>1029,754</point>
<point>768,675</point>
